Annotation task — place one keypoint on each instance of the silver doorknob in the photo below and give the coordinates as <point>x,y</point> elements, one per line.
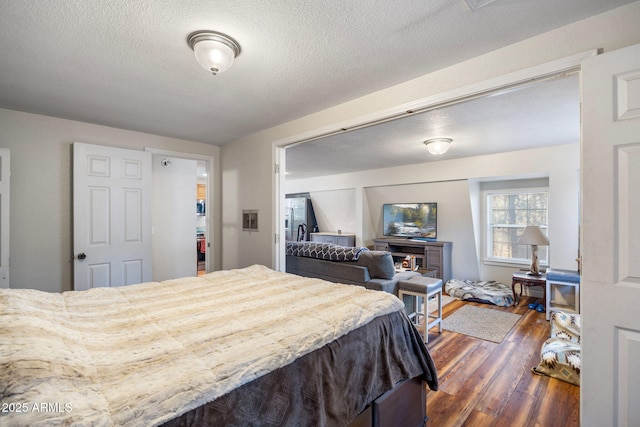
<point>82,255</point>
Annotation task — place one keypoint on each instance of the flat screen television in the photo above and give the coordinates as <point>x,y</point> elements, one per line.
<point>410,220</point>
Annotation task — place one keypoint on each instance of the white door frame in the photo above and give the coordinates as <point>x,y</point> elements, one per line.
<point>568,64</point>
<point>277,202</point>
<point>5,189</point>
<point>211,232</point>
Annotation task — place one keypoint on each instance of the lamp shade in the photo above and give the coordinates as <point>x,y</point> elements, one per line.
<point>214,51</point>
<point>533,236</point>
<point>438,146</point>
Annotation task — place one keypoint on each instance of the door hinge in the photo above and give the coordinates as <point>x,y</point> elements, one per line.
<point>276,168</point>
<point>276,238</point>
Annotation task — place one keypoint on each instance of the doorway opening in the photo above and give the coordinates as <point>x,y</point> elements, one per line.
<point>177,223</point>
<point>201,217</point>
<point>504,84</point>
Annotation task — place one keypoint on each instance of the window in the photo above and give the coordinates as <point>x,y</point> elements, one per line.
<point>508,212</point>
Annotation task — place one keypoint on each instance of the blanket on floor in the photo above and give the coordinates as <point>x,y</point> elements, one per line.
<point>487,291</point>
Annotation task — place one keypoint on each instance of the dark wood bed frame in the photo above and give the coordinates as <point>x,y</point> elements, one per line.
<point>404,405</point>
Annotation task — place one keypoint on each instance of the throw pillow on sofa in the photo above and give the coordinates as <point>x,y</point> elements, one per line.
<point>326,251</point>
<point>379,264</point>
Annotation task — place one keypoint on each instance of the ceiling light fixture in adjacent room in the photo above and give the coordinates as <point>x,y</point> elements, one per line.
<point>214,51</point>
<point>438,146</point>
<point>474,5</point>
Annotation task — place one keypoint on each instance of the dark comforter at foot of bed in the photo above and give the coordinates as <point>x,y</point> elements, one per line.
<point>329,386</point>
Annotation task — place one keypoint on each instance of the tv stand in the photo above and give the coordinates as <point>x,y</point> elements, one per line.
<point>430,255</point>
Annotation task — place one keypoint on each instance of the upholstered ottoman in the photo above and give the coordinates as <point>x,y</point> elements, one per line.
<point>423,287</point>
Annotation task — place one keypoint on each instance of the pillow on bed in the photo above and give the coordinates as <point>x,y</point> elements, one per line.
<point>379,264</point>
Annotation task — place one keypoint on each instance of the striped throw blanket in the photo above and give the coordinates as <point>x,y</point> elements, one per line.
<point>144,354</point>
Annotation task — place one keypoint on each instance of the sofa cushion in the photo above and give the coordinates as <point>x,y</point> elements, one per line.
<point>326,251</point>
<point>390,285</point>
<point>340,272</point>
<point>379,264</point>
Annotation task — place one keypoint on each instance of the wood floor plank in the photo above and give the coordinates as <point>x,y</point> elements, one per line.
<point>526,336</point>
<point>477,419</point>
<point>450,353</point>
<point>503,386</point>
<point>458,375</point>
<point>477,385</point>
<point>444,410</point>
<point>553,407</point>
<point>489,384</point>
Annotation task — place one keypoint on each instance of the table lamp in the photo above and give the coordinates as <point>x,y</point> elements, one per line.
<point>534,237</point>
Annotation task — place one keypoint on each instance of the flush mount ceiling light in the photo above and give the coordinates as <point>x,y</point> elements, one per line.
<point>474,5</point>
<point>438,146</point>
<point>214,51</point>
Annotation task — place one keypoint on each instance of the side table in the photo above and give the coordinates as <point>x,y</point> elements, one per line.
<point>561,282</point>
<point>525,279</point>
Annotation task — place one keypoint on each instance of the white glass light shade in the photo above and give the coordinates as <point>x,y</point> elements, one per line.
<point>438,146</point>
<point>214,56</point>
<point>214,51</point>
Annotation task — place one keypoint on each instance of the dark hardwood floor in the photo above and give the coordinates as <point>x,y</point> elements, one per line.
<point>487,384</point>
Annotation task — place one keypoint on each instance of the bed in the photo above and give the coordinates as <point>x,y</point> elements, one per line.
<point>244,347</point>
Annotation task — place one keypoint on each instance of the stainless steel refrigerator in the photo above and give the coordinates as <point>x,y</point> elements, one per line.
<point>299,217</point>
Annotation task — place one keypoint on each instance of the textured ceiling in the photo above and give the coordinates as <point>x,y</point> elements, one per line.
<point>540,114</point>
<point>127,64</point>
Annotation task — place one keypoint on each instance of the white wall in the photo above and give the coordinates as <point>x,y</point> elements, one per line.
<point>335,210</point>
<point>248,163</point>
<point>452,184</point>
<point>41,197</point>
<point>454,217</point>
<point>246,184</point>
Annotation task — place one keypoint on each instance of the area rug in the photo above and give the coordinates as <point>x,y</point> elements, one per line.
<point>483,323</point>
<point>433,303</point>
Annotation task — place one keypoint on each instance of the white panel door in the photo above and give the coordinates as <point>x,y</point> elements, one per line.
<point>174,217</point>
<point>5,176</point>
<point>610,384</point>
<point>111,216</point>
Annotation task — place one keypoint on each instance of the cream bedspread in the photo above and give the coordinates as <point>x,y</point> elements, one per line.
<point>144,354</point>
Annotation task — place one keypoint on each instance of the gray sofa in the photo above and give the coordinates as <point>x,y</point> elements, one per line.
<point>349,265</point>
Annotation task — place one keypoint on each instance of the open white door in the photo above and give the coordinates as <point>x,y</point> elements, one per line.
<point>174,217</point>
<point>5,176</point>
<point>279,253</point>
<point>111,216</point>
<point>610,288</point>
